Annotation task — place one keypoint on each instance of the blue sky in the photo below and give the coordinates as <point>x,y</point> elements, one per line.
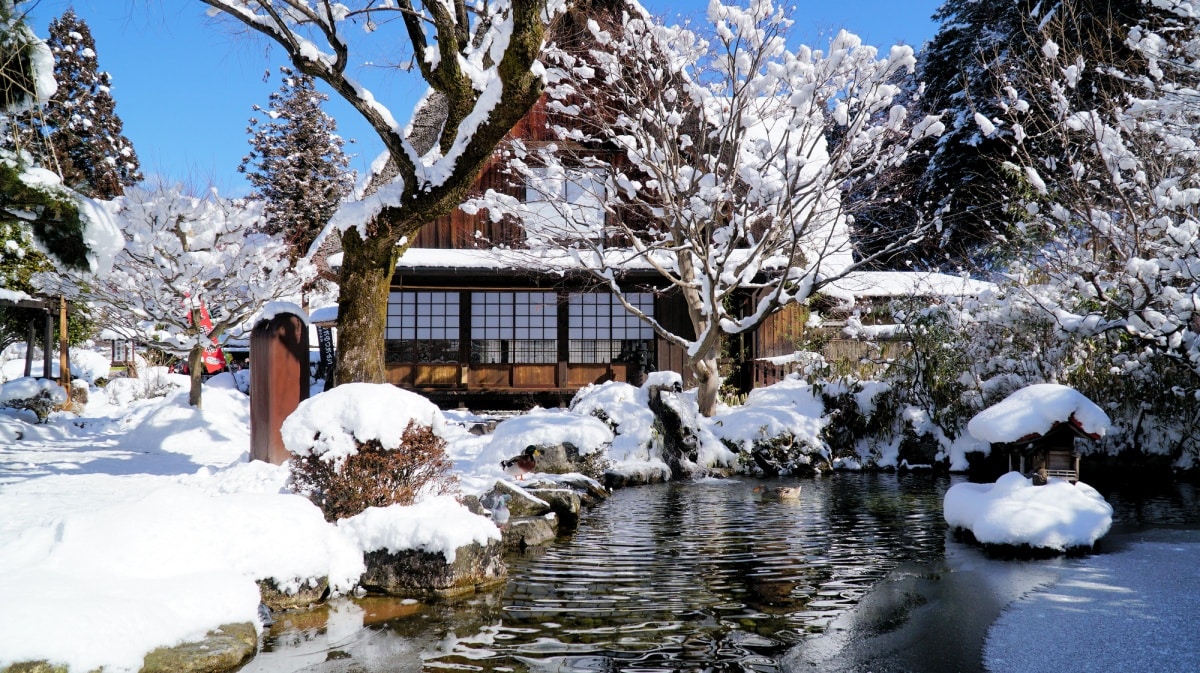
<point>184,83</point>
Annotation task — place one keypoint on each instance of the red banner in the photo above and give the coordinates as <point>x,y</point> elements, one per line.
<point>213,358</point>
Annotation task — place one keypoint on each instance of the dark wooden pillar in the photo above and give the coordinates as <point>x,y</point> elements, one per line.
<point>279,381</point>
<point>29,341</point>
<point>47,345</point>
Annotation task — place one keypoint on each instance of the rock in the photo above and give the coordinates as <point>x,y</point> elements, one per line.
<point>558,458</point>
<point>416,573</point>
<point>532,531</point>
<point>33,667</point>
<point>589,489</point>
<point>613,480</point>
<point>223,649</point>
<point>521,501</point>
<point>311,591</point>
<point>566,503</point>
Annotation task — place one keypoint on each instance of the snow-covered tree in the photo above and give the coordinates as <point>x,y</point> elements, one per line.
<point>1115,183</point>
<point>184,255</point>
<point>79,125</point>
<point>981,48</point>
<point>708,158</point>
<point>480,62</point>
<point>297,164</point>
<point>72,228</point>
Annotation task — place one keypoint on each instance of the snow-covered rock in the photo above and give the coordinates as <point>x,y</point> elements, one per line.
<point>1012,511</point>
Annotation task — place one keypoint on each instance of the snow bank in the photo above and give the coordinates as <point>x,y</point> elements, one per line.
<point>121,580</point>
<point>790,407</point>
<point>627,409</point>
<point>28,387</point>
<point>541,427</point>
<point>1033,411</point>
<point>436,525</point>
<point>328,424</point>
<point>1013,511</point>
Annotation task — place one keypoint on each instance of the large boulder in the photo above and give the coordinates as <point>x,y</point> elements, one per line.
<point>530,531</point>
<point>416,573</point>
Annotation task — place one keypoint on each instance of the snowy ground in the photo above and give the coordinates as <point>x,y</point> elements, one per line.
<point>127,528</point>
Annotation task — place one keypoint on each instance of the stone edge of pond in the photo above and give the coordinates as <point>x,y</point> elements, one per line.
<point>225,648</point>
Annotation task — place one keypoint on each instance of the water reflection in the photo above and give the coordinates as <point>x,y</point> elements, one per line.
<point>685,576</point>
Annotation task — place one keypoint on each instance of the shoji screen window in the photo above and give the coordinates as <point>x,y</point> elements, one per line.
<point>422,326</point>
<point>601,330</point>
<point>514,327</point>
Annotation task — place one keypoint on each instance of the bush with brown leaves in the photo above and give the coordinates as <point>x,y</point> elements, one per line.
<point>376,477</point>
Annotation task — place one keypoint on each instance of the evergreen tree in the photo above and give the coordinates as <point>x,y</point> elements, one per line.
<point>297,165</point>
<point>80,123</point>
<point>972,70</point>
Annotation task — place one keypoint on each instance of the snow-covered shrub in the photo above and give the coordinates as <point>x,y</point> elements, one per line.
<point>41,396</point>
<point>366,445</point>
<point>778,430</point>
<point>153,382</point>
<point>374,476</point>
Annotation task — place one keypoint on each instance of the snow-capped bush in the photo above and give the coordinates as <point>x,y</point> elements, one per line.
<point>366,445</point>
<point>41,396</point>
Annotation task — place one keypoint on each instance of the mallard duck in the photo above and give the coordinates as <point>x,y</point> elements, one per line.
<point>778,492</point>
<point>518,465</point>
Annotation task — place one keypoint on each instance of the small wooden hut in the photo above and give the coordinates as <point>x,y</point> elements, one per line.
<point>1036,427</point>
<point>1046,455</point>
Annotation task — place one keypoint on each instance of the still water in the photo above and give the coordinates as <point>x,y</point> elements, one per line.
<point>696,576</point>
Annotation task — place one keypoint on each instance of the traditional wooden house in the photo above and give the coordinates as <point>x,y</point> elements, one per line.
<point>476,317</point>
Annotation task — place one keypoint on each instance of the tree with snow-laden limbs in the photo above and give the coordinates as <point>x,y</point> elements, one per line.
<point>1115,185</point>
<point>980,48</point>
<point>185,256</point>
<point>77,231</point>
<point>78,133</point>
<point>480,62</point>
<point>297,166</point>
<point>708,159</point>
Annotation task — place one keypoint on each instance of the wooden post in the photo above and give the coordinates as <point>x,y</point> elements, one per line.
<point>29,339</point>
<point>279,381</point>
<point>47,340</point>
<point>64,356</point>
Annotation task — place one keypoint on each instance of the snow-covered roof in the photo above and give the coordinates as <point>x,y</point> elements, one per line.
<point>908,283</point>
<point>856,284</point>
<point>1033,411</point>
<point>323,316</point>
<point>13,295</point>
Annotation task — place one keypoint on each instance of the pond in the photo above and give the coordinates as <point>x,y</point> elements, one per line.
<point>707,576</point>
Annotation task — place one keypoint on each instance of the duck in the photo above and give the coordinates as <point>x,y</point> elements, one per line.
<point>500,512</point>
<point>779,492</point>
<point>518,466</point>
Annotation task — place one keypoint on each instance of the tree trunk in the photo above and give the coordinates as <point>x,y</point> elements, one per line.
<point>708,380</point>
<point>366,278</point>
<point>195,368</point>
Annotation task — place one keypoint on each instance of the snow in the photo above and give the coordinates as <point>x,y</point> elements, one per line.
<point>274,308</point>
<point>436,525</point>
<point>28,387</point>
<point>790,407</point>
<point>85,364</point>
<point>329,423</point>
<point>1058,515</point>
<point>1033,411</point>
<point>1123,612</point>
<point>127,528</point>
